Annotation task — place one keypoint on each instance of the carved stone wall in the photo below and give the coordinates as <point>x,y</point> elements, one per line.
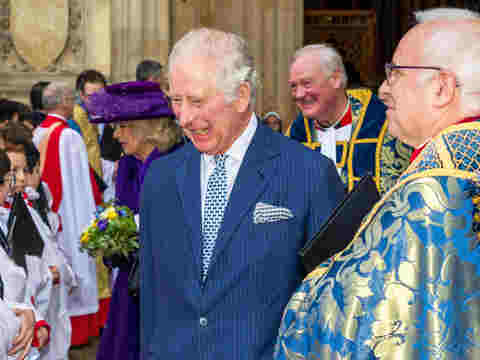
<point>113,36</point>
<point>51,40</point>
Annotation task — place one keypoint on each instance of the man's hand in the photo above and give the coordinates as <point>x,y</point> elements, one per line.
<point>23,341</point>
<point>42,336</point>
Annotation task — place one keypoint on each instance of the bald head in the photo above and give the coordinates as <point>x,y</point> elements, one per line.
<point>449,14</point>
<point>435,79</point>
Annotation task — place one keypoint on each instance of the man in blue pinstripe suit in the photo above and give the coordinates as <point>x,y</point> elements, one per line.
<point>222,219</point>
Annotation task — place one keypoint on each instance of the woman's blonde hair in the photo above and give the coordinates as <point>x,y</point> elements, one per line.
<point>163,133</point>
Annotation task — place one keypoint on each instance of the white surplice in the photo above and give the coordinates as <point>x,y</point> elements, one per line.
<point>15,297</point>
<point>76,210</point>
<point>56,314</point>
<point>9,328</point>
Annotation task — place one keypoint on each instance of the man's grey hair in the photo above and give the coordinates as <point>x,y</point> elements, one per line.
<point>329,59</point>
<point>54,94</point>
<point>434,14</point>
<point>229,53</point>
<point>456,49</point>
<point>149,69</point>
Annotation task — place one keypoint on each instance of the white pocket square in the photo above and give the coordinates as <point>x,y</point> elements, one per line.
<point>266,213</point>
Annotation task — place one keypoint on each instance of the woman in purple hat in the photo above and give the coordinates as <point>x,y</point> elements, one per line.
<point>146,129</point>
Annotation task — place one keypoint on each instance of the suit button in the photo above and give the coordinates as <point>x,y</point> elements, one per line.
<point>203,322</point>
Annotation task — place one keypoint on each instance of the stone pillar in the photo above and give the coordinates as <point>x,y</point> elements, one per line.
<point>274,30</point>
<point>186,15</point>
<point>140,30</point>
<point>156,37</point>
<point>98,36</point>
<point>120,25</point>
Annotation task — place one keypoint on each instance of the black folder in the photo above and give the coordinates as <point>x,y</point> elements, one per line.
<point>23,236</point>
<point>337,232</point>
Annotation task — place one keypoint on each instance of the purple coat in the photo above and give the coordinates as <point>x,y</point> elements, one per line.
<point>120,338</point>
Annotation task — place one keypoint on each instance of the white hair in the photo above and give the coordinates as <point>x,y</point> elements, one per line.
<point>330,59</point>
<point>54,94</point>
<point>457,49</point>
<point>434,14</point>
<point>228,52</point>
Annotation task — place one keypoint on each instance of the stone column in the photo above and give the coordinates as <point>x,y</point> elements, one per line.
<point>119,20</point>
<point>140,30</point>
<point>156,30</point>
<point>187,15</point>
<point>289,38</point>
<point>98,36</point>
<point>273,28</point>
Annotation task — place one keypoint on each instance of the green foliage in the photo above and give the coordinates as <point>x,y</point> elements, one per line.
<point>112,232</point>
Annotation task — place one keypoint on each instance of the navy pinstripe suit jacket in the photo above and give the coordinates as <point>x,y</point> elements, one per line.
<point>255,268</point>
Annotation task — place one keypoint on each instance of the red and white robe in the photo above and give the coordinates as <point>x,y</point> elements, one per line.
<point>65,169</point>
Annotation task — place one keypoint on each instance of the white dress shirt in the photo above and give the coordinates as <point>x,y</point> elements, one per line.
<point>329,136</point>
<point>234,160</point>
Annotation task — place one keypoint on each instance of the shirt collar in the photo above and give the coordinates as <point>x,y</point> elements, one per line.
<point>345,118</point>
<point>239,147</point>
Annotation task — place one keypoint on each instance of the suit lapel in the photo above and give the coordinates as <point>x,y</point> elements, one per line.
<point>188,182</point>
<point>253,177</point>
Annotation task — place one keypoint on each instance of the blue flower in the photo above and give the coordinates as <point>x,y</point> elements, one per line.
<point>102,224</point>
<point>122,212</point>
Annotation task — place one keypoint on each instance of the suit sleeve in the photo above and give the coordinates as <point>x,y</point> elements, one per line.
<point>146,271</point>
<point>327,190</point>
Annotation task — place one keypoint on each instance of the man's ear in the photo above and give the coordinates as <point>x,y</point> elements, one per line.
<point>336,80</point>
<point>243,99</point>
<point>444,88</point>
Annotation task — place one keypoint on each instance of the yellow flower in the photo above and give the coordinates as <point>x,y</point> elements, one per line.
<point>84,239</point>
<point>110,213</point>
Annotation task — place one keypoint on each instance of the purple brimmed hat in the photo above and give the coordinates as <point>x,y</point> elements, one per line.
<point>134,100</point>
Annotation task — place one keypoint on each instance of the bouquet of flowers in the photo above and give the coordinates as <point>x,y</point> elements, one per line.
<point>112,232</point>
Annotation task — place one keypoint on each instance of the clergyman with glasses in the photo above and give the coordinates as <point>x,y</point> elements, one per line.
<point>347,125</point>
<point>407,286</point>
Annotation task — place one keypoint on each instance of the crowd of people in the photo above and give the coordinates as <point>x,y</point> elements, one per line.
<point>225,200</point>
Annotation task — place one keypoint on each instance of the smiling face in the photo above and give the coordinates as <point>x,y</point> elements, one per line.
<point>211,123</point>
<point>314,93</point>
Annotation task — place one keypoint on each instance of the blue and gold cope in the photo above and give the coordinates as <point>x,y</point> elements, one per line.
<point>408,285</point>
<point>370,149</point>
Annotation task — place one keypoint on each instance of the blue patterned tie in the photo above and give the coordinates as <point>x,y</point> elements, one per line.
<point>215,202</point>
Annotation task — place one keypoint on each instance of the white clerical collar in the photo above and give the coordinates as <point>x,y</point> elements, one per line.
<point>240,145</point>
<point>339,119</point>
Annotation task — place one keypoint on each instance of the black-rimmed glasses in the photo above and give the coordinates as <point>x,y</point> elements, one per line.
<point>390,70</point>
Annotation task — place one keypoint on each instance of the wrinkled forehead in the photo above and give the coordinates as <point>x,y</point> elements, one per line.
<point>308,65</point>
<point>408,51</point>
<point>441,33</point>
<point>197,73</point>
